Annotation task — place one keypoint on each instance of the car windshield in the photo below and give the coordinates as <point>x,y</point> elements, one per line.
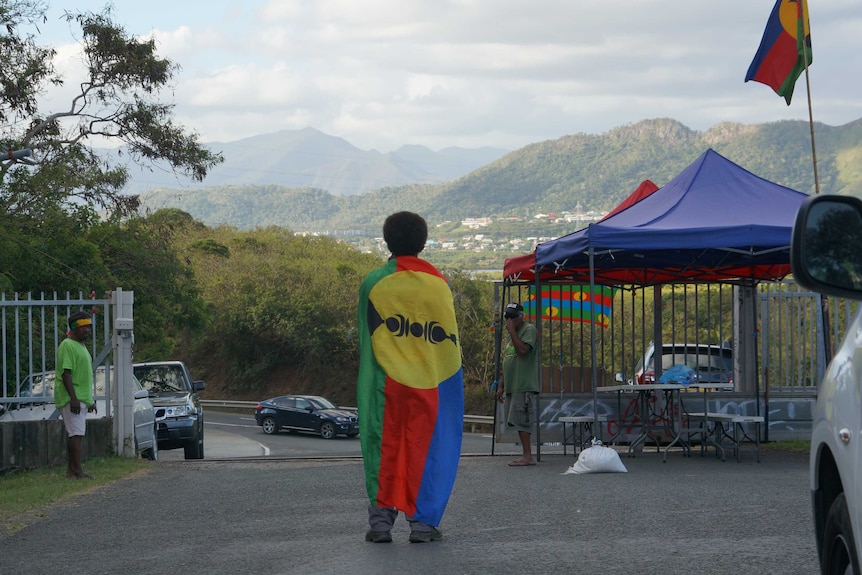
<point>42,384</point>
<point>321,403</point>
<point>699,358</point>
<point>161,378</point>
<point>698,361</point>
<point>37,385</point>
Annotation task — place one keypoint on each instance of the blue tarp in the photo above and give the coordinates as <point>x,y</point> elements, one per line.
<point>715,221</point>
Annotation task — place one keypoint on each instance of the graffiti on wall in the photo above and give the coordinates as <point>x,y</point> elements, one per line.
<point>625,415</point>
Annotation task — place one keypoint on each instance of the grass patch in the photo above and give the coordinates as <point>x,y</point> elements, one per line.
<point>26,495</point>
<point>792,446</point>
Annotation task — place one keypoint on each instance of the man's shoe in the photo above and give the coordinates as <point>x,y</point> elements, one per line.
<point>378,536</point>
<point>426,536</point>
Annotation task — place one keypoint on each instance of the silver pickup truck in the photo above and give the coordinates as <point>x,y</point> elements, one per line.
<point>179,414</point>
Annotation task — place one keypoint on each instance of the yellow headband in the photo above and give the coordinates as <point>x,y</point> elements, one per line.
<point>81,322</point>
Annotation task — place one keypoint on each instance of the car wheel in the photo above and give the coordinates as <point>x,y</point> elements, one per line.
<point>152,453</point>
<point>195,448</point>
<point>839,551</point>
<point>327,430</point>
<point>269,426</point>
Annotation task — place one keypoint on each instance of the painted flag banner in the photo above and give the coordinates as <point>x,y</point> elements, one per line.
<point>780,59</point>
<point>574,303</point>
<point>410,389</point>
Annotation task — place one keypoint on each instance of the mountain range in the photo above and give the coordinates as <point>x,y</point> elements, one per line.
<point>593,172</point>
<point>308,158</point>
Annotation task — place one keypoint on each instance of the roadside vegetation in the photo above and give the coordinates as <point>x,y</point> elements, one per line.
<point>790,446</point>
<point>27,496</point>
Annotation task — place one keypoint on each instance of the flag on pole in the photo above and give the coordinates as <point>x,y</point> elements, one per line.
<point>786,43</point>
<point>573,303</point>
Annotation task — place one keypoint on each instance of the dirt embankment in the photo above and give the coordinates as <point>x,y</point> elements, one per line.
<point>222,383</point>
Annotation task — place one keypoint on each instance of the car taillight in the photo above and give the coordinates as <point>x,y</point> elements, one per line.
<point>259,407</point>
<point>648,377</point>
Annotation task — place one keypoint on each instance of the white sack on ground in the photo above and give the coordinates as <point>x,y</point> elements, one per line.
<point>597,459</point>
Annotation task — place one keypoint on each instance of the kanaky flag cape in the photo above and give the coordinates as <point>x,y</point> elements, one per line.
<point>410,390</point>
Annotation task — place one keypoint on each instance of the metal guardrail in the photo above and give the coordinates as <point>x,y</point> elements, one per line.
<point>229,404</point>
<point>250,405</point>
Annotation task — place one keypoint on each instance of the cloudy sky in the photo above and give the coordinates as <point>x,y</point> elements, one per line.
<point>503,73</point>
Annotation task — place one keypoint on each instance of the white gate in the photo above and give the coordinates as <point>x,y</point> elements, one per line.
<point>32,328</point>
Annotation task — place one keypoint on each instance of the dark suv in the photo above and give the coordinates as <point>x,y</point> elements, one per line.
<point>179,414</point>
<point>306,413</point>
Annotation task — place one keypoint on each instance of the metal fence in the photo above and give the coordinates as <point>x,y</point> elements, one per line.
<point>794,332</point>
<point>799,332</point>
<point>32,328</point>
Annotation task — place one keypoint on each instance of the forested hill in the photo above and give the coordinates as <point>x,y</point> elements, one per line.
<point>593,171</point>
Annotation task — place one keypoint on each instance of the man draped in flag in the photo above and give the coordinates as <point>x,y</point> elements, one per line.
<point>784,49</point>
<point>410,389</point>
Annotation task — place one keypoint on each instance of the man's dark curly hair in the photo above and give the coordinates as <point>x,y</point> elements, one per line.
<point>405,233</point>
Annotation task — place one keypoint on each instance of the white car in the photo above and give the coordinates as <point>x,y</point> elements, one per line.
<point>39,388</point>
<point>826,256</point>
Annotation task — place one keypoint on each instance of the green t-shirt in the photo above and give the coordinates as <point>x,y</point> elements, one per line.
<point>75,357</point>
<point>520,372</point>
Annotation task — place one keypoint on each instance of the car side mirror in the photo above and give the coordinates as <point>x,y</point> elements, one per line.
<point>826,245</point>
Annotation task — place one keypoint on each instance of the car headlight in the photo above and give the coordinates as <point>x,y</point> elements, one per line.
<point>179,411</point>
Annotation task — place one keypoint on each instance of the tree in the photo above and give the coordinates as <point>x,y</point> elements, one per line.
<point>278,303</point>
<point>474,309</point>
<point>50,198</point>
<point>141,256</point>
<point>117,102</point>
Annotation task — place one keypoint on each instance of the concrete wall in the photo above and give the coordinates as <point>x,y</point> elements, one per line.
<point>28,444</point>
<point>788,416</point>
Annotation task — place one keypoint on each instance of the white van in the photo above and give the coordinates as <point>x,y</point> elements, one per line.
<point>711,363</point>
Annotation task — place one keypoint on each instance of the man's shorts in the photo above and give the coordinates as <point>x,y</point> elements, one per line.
<point>76,423</point>
<point>519,410</point>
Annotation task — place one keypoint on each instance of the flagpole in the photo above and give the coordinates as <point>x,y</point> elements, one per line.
<point>810,110</point>
<point>824,302</point>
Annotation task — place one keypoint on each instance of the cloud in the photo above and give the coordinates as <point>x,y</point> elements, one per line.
<point>383,73</point>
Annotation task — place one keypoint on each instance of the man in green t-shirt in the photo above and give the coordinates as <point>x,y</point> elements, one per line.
<point>520,378</point>
<point>73,393</point>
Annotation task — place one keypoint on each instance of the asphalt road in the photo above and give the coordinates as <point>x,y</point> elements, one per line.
<point>232,434</point>
<point>691,515</point>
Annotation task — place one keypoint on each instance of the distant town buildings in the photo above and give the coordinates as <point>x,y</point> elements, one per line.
<point>475,223</point>
<point>485,242</point>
